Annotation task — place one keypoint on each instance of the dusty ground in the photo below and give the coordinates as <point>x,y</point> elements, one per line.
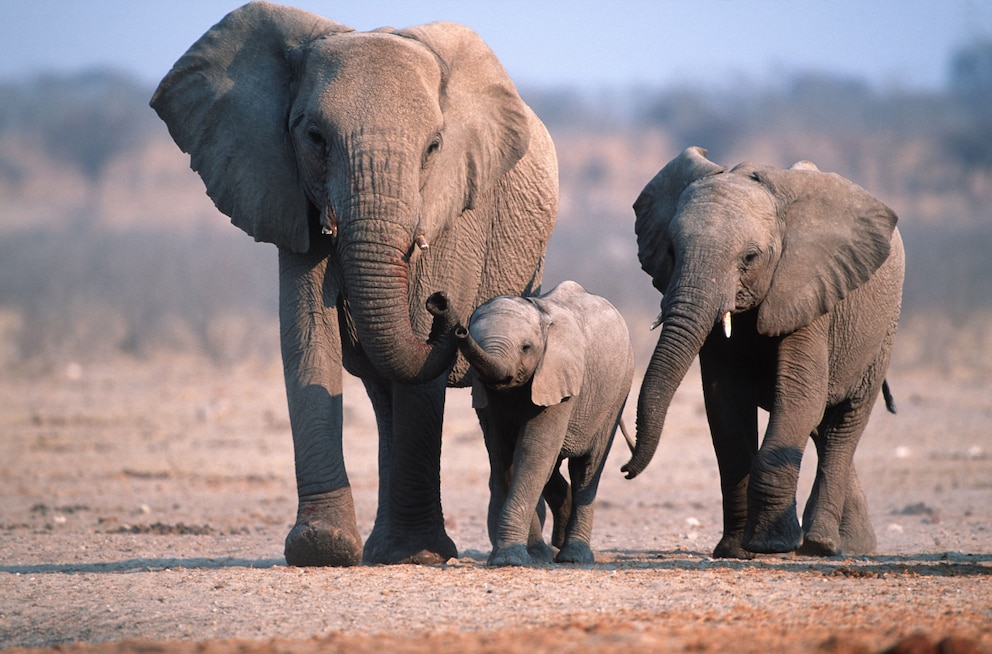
<point>143,507</point>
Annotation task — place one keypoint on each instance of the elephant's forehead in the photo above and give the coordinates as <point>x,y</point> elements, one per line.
<point>734,197</point>
<point>369,57</point>
<point>503,313</point>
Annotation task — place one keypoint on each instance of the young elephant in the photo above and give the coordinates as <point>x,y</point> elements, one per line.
<point>810,266</point>
<point>552,374</point>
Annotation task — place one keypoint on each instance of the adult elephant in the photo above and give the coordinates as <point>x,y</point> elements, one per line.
<point>385,165</point>
<point>788,284</point>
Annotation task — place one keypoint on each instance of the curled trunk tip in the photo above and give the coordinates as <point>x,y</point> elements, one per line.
<point>488,368</point>
<point>683,335</point>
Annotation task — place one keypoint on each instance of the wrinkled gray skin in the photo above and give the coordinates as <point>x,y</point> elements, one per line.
<point>384,165</point>
<point>810,266</point>
<point>552,376</point>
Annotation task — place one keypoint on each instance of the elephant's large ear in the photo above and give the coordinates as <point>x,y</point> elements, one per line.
<point>486,124</point>
<point>836,235</point>
<point>226,102</point>
<point>656,206</point>
<point>560,373</point>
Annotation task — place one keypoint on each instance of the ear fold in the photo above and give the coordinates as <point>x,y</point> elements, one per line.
<point>657,205</point>
<point>560,373</point>
<point>225,102</point>
<point>836,235</point>
<point>486,124</point>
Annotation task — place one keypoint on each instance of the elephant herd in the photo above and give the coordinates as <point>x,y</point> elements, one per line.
<point>411,194</point>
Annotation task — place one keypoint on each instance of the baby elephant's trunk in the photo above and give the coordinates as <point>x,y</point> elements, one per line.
<point>487,367</point>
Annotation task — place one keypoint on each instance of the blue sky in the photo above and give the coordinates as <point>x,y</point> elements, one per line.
<point>611,43</point>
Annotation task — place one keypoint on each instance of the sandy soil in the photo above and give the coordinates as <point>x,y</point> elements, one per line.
<point>143,507</point>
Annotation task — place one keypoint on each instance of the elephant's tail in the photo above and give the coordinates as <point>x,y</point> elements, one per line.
<point>890,402</point>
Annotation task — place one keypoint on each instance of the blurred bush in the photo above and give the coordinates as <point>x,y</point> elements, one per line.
<point>109,246</point>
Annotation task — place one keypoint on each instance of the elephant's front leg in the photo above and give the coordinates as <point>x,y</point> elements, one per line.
<point>325,532</point>
<point>534,458</point>
<point>409,524</point>
<point>500,439</point>
<point>732,412</point>
<point>500,429</point>
<point>800,398</point>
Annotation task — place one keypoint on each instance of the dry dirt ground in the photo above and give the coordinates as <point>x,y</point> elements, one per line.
<point>143,507</point>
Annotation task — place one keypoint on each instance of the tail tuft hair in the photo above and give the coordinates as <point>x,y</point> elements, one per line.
<point>890,402</point>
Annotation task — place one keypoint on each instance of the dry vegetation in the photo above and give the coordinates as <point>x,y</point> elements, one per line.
<point>109,245</point>
<point>146,456</point>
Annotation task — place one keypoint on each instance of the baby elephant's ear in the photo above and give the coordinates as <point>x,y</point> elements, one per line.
<point>559,374</point>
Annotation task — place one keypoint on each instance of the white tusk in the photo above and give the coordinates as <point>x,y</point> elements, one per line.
<point>657,321</point>
<point>329,223</point>
<point>726,324</point>
<point>421,242</point>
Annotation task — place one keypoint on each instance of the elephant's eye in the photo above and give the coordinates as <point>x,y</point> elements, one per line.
<point>750,257</point>
<point>316,137</point>
<point>432,147</point>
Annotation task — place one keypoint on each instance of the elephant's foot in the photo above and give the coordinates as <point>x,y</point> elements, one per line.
<point>819,545</point>
<point>848,541</point>
<point>387,547</point>
<point>773,534</point>
<point>512,555</point>
<point>520,555</point>
<point>540,552</point>
<point>730,547</point>
<point>325,533</point>
<point>575,551</point>
<point>856,542</point>
<point>857,536</point>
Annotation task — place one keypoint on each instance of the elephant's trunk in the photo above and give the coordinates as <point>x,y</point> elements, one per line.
<point>684,331</point>
<point>489,369</point>
<point>377,283</point>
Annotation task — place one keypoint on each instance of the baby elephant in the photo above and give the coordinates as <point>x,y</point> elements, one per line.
<point>552,374</point>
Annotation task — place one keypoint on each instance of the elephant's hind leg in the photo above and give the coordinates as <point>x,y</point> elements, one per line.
<point>584,473</point>
<point>558,495</point>
<point>835,520</point>
<point>857,536</point>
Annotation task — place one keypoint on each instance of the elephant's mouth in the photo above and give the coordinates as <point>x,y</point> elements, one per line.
<point>502,384</point>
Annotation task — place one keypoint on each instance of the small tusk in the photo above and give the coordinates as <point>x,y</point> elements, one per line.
<point>329,222</point>
<point>421,242</point>
<point>657,321</point>
<point>726,324</point>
